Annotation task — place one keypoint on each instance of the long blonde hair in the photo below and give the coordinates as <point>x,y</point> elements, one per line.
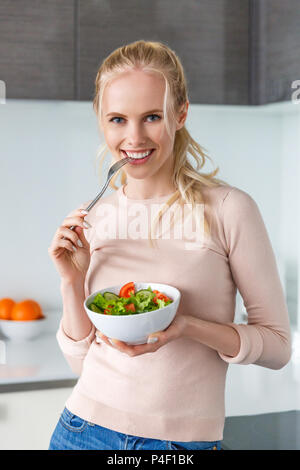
<point>157,57</point>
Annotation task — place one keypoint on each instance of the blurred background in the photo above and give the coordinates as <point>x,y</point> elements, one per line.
<point>242,64</point>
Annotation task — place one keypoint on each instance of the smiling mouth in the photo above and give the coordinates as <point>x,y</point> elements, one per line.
<point>137,159</point>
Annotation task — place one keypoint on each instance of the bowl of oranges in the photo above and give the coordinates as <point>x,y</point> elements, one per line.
<point>21,320</point>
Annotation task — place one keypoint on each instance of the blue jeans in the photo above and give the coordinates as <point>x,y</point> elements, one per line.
<point>74,433</point>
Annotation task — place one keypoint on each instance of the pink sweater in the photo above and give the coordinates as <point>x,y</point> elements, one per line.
<point>177,393</point>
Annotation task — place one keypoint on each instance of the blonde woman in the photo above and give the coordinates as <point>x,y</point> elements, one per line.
<point>168,393</point>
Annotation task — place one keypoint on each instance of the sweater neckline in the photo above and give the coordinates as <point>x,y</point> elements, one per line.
<point>160,199</point>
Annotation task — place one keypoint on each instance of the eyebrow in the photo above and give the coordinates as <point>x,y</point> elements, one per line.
<point>147,112</point>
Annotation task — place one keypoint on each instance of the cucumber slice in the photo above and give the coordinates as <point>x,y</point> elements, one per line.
<point>110,296</point>
<point>94,308</point>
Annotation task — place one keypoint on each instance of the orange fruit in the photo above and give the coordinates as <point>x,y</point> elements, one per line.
<point>26,310</point>
<point>6,306</point>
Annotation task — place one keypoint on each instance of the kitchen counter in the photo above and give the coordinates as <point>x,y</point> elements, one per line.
<point>250,390</point>
<point>271,431</point>
<point>37,363</point>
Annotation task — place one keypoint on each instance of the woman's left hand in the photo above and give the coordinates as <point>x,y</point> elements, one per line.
<point>176,330</point>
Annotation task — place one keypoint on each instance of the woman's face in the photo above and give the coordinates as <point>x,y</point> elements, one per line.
<point>133,121</point>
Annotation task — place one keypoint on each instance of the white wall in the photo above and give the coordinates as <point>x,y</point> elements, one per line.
<point>47,155</point>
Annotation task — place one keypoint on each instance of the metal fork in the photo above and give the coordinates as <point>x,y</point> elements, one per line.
<point>113,169</point>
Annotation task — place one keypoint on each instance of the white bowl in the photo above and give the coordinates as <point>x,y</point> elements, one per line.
<point>22,330</point>
<point>135,329</point>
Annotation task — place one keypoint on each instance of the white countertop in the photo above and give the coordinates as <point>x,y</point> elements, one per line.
<point>249,390</point>
<point>36,360</point>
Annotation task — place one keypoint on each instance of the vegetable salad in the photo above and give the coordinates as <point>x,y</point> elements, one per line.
<point>129,302</point>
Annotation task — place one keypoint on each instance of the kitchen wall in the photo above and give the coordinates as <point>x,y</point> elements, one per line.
<point>48,151</point>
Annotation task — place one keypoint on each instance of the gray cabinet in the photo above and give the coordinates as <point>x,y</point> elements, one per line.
<point>274,54</point>
<point>234,52</point>
<point>209,36</point>
<point>37,48</point>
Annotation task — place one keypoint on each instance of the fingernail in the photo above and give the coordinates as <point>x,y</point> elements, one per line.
<point>86,224</point>
<point>84,212</point>
<point>74,248</point>
<point>152,339</point>
<point>79,243</point>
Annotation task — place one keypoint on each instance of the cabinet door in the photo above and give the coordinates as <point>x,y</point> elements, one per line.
<point>274,49</point>
<point>28,418</point>
<point>37,48</point>
<point>209,36</point>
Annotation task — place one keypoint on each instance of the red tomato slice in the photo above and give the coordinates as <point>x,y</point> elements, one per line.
<point>130,307</point>
<point>164,297</point>
<point>127,289</point>
<point>107,310</point>
<point>161,296</point>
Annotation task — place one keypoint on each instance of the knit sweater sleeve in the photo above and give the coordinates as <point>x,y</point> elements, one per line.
<point>76,351</point>
<point>266,339</point>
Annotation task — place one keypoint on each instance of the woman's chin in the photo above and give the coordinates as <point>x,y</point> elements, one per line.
<point>141,176</point>
<point>138,172</point>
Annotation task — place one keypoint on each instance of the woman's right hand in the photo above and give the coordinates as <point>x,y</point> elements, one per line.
<point>69,263</point>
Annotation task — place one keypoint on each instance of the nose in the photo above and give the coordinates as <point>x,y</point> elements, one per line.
<point>136,135</point>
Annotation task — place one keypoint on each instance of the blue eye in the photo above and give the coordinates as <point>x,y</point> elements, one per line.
<point>113,119</point>
<point>155,116</point>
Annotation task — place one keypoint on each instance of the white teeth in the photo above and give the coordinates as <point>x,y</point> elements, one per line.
<point>137,155</point>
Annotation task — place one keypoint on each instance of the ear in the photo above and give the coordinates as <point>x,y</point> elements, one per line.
<point>182,115</point>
